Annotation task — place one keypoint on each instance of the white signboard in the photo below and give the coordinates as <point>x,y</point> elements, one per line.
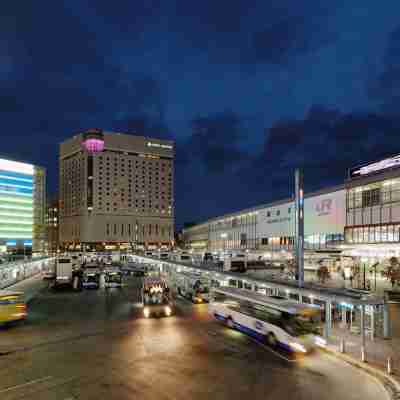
<point>323,214</point>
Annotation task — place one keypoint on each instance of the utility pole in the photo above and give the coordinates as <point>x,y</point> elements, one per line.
<point>299,225</point>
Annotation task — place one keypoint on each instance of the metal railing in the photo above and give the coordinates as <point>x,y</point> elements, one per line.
<point>17,271</point>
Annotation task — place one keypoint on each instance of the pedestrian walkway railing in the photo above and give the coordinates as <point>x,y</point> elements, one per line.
<point>11,273</point>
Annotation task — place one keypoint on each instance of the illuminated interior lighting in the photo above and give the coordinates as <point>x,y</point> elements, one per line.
<point>15,229</point>
<point>15,221</point>
<point>14,166</point>
<point>16,215</point>
<point>27,180</point>
<point>94,145</point>
<point>18,194</point>
<point>12,235</point>
<point>15,207</point>
<point>13,185</point>
<point>11,199</point>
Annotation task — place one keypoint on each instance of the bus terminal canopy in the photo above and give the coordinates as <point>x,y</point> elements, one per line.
<point>333,295</point>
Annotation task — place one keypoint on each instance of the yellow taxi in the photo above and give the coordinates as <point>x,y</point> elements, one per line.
<point>12,307</point>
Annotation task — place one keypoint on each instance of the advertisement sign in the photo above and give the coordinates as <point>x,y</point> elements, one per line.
<point>391,162</point>
<point>323,214</point>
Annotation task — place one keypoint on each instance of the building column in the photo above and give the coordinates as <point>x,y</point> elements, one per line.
<point>328,319</point>
<point>386,322</point>
<point>362,327</point>
<point>344,313</point>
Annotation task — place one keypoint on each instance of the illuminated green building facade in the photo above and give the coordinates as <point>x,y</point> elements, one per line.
<point>22,207</point>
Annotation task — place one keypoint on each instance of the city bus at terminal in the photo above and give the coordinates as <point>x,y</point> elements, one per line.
<point>192,286</point>
<point>157,299</point>
<point>112,277</point>
<point>273,320</point>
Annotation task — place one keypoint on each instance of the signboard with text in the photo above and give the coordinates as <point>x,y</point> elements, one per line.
<point>375,167</point>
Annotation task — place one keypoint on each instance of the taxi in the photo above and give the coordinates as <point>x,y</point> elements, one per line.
<point>12,307</point>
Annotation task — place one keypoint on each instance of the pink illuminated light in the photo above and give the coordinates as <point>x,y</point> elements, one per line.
<point>94,145</point>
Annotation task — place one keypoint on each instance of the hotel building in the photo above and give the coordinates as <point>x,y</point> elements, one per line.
<point>116,191</point>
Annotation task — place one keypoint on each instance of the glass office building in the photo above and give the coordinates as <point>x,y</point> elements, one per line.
<point>22,206</point>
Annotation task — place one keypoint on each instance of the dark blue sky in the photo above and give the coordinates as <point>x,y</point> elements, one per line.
<point>248,89</point>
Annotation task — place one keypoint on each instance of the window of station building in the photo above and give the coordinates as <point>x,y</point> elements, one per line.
<point>278,212</point>
<point>108,229</point>
<point>268,213</point>
<point>115,229</point>
<point>371,197</point>
<point>264,241</point>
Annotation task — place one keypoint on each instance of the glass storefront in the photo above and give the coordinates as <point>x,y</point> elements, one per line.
<point>373,234</point>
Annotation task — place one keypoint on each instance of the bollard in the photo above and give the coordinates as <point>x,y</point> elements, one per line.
<point>389,365</point>
<point>363,355</point>
<point>342,346</point>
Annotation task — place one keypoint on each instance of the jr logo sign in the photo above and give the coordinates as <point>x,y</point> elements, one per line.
<point>324,207</point>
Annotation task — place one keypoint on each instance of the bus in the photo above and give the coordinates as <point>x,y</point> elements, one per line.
<point>273,320</point>
<point>112,277</point>
<point>91,275</point>
<point>193,286</point>
<point>157,298</point>
<point>12,307</point>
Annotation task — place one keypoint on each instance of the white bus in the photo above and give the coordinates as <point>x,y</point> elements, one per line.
<point>112,277</point>
<point>275,320</point>
<point>192,286</point>
<point>157,300</point>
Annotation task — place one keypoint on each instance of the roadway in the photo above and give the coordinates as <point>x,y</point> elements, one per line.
<point>96,345</point>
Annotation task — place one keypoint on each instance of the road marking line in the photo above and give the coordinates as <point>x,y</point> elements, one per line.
<point>26,384</point>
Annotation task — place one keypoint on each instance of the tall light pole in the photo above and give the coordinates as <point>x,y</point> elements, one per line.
<point>299,225</point>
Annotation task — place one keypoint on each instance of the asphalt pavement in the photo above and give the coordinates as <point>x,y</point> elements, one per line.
<point>95,344</point>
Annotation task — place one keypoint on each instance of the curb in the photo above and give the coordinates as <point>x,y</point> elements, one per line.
<point>391,384</point>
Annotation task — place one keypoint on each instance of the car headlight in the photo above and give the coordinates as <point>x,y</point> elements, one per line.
<point>146,312</point>
<point>319,341</point>
<point>298,347</point>
<point>168,310</point>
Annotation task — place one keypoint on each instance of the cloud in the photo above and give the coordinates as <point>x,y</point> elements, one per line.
<point>216,140</point>
<point>326,143</point>
<point>294,35</point>
<point>386,88</point>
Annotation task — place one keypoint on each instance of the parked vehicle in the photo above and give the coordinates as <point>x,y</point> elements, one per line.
<point>193,286</point>
<point>112,277</point>
<point>66,274</point>
<point>91,276</point>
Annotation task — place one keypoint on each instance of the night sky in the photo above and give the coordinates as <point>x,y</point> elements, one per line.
<point>248,89</point>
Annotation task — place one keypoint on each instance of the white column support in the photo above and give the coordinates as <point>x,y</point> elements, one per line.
<point>328,318</point>
<point>344,312</point>
<point>373,323</point>
<point>362,318</point>
<point>386,322</point>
